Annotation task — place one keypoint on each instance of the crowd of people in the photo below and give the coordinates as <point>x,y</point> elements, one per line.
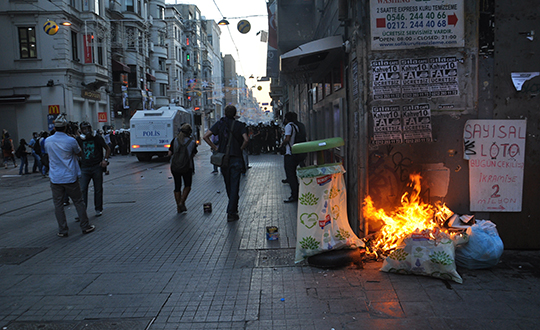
<point>263,138</point>
<point>72,155</point>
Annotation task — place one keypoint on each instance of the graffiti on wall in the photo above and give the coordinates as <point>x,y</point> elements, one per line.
<point>389,172</point>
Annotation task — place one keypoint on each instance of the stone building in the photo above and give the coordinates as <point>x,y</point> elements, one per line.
<point>401,82</point>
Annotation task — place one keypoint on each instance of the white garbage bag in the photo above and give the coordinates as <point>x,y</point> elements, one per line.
<point>322,222</point>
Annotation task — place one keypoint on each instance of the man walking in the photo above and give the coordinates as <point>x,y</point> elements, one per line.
<point>36,152</point>
<point>291,161</point>
<point>63,173</point>
<point>228,128</point>
<point>92,164</point>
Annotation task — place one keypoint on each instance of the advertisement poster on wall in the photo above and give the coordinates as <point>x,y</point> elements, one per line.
<point>409,25</point>
<point>495,150</point>
<point>415,77</point>
<point>401,124</point>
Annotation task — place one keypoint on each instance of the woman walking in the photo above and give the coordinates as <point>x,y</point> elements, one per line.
<point>24,150</point>
<point>182,150</point>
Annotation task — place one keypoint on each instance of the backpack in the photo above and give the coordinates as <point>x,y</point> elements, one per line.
<point>6,144</point>
<point>37,147</point>
<point>300,130</point>
<point>181,160</point>
<point>19,151</point>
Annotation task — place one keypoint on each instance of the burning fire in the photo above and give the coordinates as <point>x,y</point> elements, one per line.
<point>413,214</point>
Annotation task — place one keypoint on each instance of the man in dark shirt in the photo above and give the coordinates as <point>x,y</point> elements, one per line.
<point>233,171</point>
<point>93,164</point>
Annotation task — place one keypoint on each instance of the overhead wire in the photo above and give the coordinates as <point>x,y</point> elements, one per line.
<point>231,35</point>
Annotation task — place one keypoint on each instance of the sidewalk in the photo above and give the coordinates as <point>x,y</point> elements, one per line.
<point>146,267</point>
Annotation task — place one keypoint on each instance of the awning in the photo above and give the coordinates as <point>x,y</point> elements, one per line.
<point>149,77</point>
<point>120,67</point>
<point>311,61</point>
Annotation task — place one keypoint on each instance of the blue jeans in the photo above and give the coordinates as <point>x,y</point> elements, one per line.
<point>232,175</point>
<point>24,163</point>
<point>94,173</point>
<point>73,190</point>
<point>37,162</point>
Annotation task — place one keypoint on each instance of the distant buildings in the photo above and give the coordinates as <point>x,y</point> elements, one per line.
<point>114,57</point>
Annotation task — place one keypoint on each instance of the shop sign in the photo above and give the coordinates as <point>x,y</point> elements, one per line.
<point>102,117</point>
<point>406,24</point>
<point>92,95</point>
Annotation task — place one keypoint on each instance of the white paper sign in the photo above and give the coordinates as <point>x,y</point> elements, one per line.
<point>407,24</point>
<point>496,153</point>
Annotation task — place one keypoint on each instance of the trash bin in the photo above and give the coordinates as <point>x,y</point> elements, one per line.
<point>322,223</point>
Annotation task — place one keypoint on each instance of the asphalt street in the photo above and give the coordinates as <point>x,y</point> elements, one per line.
<point>146,267</point>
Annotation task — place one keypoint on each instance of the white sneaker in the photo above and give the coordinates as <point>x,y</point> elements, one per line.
<point>99,213</point>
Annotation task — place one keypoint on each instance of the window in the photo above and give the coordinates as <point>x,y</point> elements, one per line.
<point>130,6</point>
<point>97,7</point>
<point>141,74</point>
<point>161,12</point>
<point>27,42</point>
<point>74,48</point>
<point>163,89</point>
<point>100,51</point>
<point>130,35</point>
<point>162,38</point>
<point>132,76</point>
<point>139,10</point>
<point>162,64</point>
<point>140,40</point>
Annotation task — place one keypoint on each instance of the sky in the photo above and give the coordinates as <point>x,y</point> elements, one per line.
<point>247,49</point>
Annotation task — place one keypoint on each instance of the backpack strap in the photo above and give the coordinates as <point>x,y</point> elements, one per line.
<point>296,130</point>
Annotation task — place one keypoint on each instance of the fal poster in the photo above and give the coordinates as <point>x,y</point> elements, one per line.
<point>496,153</point>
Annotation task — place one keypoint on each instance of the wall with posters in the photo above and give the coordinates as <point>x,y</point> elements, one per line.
<point>426,82</point>
<point>421,75</point>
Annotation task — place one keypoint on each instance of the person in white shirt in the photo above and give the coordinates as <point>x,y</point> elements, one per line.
<point>290,162</point>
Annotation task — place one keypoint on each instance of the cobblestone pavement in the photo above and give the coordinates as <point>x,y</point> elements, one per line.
<point>146,267</point>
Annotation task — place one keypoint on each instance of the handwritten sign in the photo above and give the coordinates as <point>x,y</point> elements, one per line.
<point>496,153</point>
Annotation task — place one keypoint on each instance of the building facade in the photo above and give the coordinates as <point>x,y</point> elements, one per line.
<point>400,82</point>
<point>110,59</point>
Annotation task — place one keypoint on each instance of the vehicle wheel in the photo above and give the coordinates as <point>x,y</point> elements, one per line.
<point>144,158</point>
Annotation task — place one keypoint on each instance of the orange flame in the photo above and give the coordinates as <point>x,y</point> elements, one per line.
<point>411,215</point>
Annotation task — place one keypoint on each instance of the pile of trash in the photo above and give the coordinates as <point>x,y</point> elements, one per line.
<point>462,241</point>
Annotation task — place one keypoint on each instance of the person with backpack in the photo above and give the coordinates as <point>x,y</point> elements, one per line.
<point>93,163</point>
<point>182,150</point>
<point>233,140</point>
<point>8,150</point>
<point>22,152</point>
<point>295,132</point>
<point>36,152</point>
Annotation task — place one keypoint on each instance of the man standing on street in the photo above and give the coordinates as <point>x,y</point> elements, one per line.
<point>290,162</point>
<point>233,171</point>
<point>63,173</point>
<point>93,164</point>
